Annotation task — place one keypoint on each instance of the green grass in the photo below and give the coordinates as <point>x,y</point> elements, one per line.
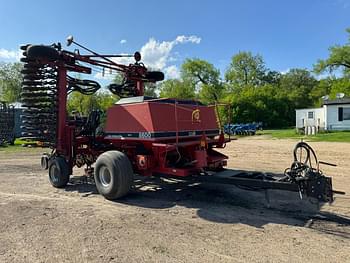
<point>17,147</point>
<point>334,136</point>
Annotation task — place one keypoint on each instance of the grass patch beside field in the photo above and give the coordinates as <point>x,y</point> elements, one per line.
<point>334,136</point>
<point>17,147</point>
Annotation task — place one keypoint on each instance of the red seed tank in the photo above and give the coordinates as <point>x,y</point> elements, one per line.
<point>160,119</point>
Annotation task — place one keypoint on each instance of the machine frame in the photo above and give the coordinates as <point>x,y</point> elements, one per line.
<point>117,159</point>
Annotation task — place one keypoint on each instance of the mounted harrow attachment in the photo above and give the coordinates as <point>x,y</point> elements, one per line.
<point>40,100</point>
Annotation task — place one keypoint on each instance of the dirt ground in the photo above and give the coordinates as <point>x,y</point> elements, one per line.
<point>174,221</point>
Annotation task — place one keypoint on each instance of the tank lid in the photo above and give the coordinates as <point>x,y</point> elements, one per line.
<point>129,100</point>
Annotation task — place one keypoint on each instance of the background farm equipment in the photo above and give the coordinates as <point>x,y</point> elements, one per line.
<point>7,123</point>
<point>242,129</point>
<point>142,135</point>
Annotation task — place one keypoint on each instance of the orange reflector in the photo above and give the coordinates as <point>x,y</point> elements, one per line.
<point>203,142</point>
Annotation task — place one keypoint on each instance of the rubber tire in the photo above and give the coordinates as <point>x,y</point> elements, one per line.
<point>62,177</point>
<point>42,52</point>
<point>121,174</point>
<point>44,162</point>
<point>155,75</point>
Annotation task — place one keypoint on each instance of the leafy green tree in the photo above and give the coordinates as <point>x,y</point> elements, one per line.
<point>323,88</point>
<point>297,85</point>
<point>118,78</point>
<point>10,81</point>
<point>339,58</point>
<point>105,100</point>
<point>245,69</point>
<point>274,100</point>
<point>84,104</point>
<point>150,90</point>
<point>199,71</point>
<point>205,77</point>
<point>264,104</point>
<point>340,85</point>
<point>272,77</point>
<point>174,88</point>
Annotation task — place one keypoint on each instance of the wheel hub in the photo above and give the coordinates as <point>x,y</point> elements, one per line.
<point>54,173</point>
<point>105,176</point>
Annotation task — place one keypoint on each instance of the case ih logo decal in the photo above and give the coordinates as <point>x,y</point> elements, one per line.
<point>196,115</point>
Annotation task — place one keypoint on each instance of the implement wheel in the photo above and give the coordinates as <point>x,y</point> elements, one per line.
<point>113,174</point>
<point>58,172</point>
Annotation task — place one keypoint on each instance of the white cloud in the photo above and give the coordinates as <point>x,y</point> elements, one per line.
<point>155,54</point>
<point>172,72</point>
<point>10,54</point>
<point>159,55</point>
<point>123,41</point>
<point>188,39</point>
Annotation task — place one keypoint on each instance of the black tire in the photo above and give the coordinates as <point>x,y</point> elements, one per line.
<point>58,172</point>
<point>44,162</point>
<point>155,75</point>
<point>114,175</point>
<point>42,52</point>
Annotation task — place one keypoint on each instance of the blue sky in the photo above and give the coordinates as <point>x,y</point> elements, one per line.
<point>287,34</point>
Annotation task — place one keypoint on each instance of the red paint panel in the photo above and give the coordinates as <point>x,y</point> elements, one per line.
<point>163,116</point>
<point>158,117</point>
<point>201,157</point>
<point>129,118</point>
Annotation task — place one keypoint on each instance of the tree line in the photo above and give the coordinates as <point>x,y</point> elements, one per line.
<point>259,94</point>
<point>254,92</point>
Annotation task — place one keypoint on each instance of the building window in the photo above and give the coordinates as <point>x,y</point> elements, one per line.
<point>343,114</point>
<point>340,114</point>
<point>346,114</point>
<point>310,115</point>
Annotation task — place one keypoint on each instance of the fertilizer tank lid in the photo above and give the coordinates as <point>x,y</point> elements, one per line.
<point>136,99</point>
<point>140,99</point>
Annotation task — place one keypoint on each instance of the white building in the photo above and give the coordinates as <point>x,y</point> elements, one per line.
<point>333,115</point>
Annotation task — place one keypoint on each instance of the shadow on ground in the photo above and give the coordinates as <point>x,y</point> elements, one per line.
<point>226,204</point>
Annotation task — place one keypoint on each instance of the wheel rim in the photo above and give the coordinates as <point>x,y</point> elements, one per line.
<point>105,176</point>
<point>54,173</point>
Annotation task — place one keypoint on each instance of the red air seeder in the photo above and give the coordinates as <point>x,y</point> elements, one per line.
<point>142,135</point>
